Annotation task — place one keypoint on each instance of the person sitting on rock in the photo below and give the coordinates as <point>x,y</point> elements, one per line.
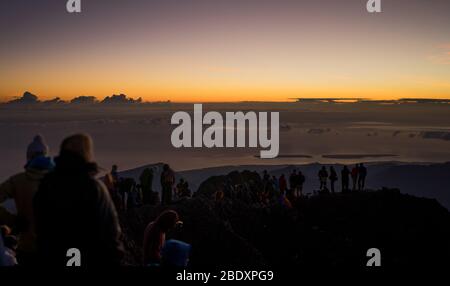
<point>155,236</point>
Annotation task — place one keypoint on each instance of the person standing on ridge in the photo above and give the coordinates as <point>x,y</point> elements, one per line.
<point>115,174</point>
<point>300,181</point>
<point>167,182</point>
<point>333,178</point>
<point>146,180</point>
<point>275,183</point>
<point>362,177</point>
<point>293,181</point>
<point>345,173</point>
<point>282,184</point>
<point>323,177</point>
<point>355,176</point>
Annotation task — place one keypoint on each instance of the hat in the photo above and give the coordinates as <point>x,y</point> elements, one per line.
<point>37,148</point>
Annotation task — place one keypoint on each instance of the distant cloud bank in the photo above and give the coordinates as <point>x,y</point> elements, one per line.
<point>29,99</point>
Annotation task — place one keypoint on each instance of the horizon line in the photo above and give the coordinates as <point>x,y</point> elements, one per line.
<point>30,98</point>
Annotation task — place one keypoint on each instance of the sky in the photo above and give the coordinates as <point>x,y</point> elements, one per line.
<point>231,50</point>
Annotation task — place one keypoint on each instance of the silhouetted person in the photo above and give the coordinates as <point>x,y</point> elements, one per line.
<point>183,189</point>
<point>266,180</point>
<point>355,171</point>
<point>282,184</point>
<point>146,180</point>
<point>120,197</point>
<point>108,181</point>
<point>293,181</point>
<point>333,178</point>
<point>126,187</point>
<point>300,181</point>
<point>345,174</point>
<point>74,210</point>
<point>323,177</point>
<point>275,183</point>
<point>167,182</point>
<point>155,236</point>
<point>115,174</point>
<point>186,190</point>
<point>131,193</point>
<point>362,171</point>
<point>266,176</point>
<point>22,188</point>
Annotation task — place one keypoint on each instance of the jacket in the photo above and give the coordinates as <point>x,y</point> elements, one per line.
<point>22,188</point>
<point>74,210</point>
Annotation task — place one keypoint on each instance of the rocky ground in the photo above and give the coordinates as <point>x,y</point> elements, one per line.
<point>240,231</point>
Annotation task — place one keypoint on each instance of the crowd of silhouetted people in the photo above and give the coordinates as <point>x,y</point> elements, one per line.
<point>60,204</point>
<point>291,189</point>
<point>358,175</point>
<point>326,178</point>
<point>127,194</point>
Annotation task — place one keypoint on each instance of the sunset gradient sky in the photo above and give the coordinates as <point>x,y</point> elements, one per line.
<point>231,50</point>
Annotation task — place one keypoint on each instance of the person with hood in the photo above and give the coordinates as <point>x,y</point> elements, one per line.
<point>333,178</point>
<point>323,176</point>
<point>167,182</point>
<point>155,236</point>
<point>22,189</point>
<point>74,210</point>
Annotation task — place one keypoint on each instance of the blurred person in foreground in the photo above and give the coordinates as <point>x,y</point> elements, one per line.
<point>74,210</point>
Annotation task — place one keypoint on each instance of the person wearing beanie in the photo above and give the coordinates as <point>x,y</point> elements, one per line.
<point>37,148</point>
<point>22,188</point>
